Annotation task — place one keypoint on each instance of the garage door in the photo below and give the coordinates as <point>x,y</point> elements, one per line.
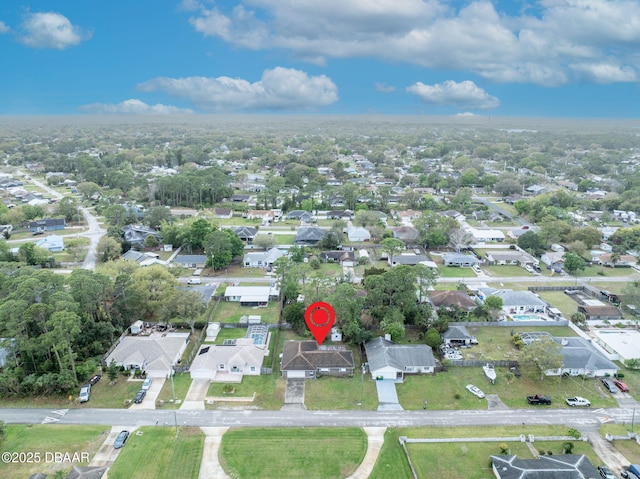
<point>295,374</point>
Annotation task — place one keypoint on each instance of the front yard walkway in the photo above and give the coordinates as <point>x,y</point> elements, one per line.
<point>210,467</point>
<point>375,440</point>
<point>196,394</point>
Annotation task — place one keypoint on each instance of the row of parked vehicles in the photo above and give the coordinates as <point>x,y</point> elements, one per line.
<point>613,385</point>
<point>85,390</point>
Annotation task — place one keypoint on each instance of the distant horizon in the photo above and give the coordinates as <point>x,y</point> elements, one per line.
<point>438,58</point>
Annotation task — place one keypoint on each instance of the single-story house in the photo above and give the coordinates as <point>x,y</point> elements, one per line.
<point>191,260</point>
<point>305,360</point>
<point>301,215</point>
<point>156,355</point>
<point>510,257</point>
<point>338,257</point>
<point>262,259</point>
<point>228,362</point>
<point>408,234</point>
<point>486,235</point>
<point>452,298</point>
<point>520,302</point>
<point>49,224</point>
<point>456,336</point>
<point>136,234</point>
<point>309,236</point>
<point>388,360</point>
<point>263,215</point>
<point>409,259</point>
<point>460,259</point>
<point>223,213</point>
<point>560,466</point>
<point>623,260</point>
<point>358,234</point>
<point>251,295</point>
<point>345,215</point>
<point>602,312</point>
<point>553,259</point>
<point>245,233</point>
<point>53,243</point>
<point>144,259</point>
<point>240,198</point>
<point>581,357</point>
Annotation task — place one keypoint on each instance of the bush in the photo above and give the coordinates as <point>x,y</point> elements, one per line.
<point>457,396</point>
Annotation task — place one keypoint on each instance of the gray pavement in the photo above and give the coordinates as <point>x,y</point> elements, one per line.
<point>294,394</point>
<point>196,395</point>
<point>210,467</point>
<point>387,396</point>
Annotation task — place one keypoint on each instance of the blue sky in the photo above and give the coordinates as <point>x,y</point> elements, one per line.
<point>547,58</point>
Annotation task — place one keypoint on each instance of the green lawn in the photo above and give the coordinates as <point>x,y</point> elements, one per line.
<point>43,439</point>
<point>284,239</point>
<point>107,395</point>
<point>181,383</point>
<point>327,393</point>
<point>506,271</point>
<point>454,272</point>
<point>461,460</point>
<point>559,300</point>
<point>312,453</point>
<point>230,312</point>
<point>157,453</point>
<point>269,391</point>
<point>628,448</point>
<point>230,333</point>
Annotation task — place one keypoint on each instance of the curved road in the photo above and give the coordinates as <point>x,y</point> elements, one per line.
<point>94,233</point>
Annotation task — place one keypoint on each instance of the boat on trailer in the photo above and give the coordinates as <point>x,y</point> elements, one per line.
<point>490,372</point>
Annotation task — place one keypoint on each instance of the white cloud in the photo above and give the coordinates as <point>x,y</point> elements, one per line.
<point>384,88</point>
<point>465,94</point>
<point>278,89</point>
<point>4,28</point>
<point>50,30</point>
<point>554,45</point>
<point>133,106</point>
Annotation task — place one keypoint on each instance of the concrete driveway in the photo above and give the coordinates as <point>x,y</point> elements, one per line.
<point>210,467</point>
<point>196,394</point>
<point>149,401</point>
<point>387,395</point>
<point>107,454</point>
<point>294,394</point>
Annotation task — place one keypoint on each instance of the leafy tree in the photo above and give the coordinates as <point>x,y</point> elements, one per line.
<point>433,338</point>
<point>494,304</point>
<point>88,188</point>
<point>573,263</point>
<point>3,431</point>
<point>156,215</point>
<point>198,232</point>
<point>150,242</point>
<point>297,254</point>
<point>331,240</point>
<point>532,243</point>
<point>32,255</point>
<point>294,315</point>
<point>155,288</point>
<point>366,218</point>
<point>109,249</point>
<point>68,209</point>
<point>579,319</point>
<point>394,289</point>
<point>392,247</point>
<point>264,241</point>
<point>460,238</point>
<point>116,215</point>
<point>393,324</point>
<point>112,371</point>
<point>544,354</point>
<point>426,278</point>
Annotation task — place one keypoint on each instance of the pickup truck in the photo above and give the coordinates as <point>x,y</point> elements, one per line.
<point>578,401</point>
<point>538,399</point>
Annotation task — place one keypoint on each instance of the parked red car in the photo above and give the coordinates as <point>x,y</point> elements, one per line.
<point>621,386</point>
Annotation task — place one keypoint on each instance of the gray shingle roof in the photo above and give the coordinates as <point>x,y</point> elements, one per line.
<point>562,466</point>
<point>382,353</point>
<point>456,332</point>
<point>578,353</point>
<point>518,298</point>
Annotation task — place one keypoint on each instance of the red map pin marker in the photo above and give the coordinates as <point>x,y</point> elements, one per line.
<point>320,317</point>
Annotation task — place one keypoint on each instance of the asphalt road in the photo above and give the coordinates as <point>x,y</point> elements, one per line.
<point>292,418</point>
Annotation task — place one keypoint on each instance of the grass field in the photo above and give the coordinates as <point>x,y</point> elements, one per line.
<point>312,453</point>
<point>157,453</point>
<point>506,271</point>
<point>453,272</point>
<point>181,383</point>
<point>230,312</point>
<point>461,460</point>
<point>328,393</point>
<point>559,300</point>
<point>269,391</point>
<point>43,439</point>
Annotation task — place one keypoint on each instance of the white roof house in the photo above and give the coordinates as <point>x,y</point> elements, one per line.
<point>262,259</point>
<point>358,234</point>
<point>389,360</point>
<point>154,354</point>
<point>484,236</point>
<point>228,363</point>
<point>520,302</point>
<point>251,294</point>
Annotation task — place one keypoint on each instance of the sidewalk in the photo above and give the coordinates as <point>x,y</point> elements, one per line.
<point>210,467</point>
<point>375,437</point>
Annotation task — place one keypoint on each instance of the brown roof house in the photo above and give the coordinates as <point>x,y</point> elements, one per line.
<point>452,299</point>
<point>600,312</point>
<point>305,360</point>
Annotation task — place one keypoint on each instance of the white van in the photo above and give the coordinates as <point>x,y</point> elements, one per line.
<point>147,383</point>
<point>194,281</point>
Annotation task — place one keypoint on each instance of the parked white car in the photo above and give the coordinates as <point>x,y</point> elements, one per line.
<point>475,391</point>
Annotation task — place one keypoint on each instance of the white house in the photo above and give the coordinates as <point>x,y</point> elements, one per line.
<point>388,360</point>
<point>156,355</point>
<point>53,243</point>
<point>520,302</point>
<point>251,295</point>
<point>262,259</point>
<point>485,236</point>
<point>228,363</point>
<point>357,234</point>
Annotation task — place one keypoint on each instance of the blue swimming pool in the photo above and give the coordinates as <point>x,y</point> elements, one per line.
<point>527,317</point>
